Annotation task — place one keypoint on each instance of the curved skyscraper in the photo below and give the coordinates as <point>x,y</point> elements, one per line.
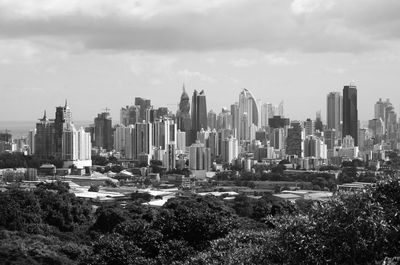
<point>183,114</point>
<point>248,115</point>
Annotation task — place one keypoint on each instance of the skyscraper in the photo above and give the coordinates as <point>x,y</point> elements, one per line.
<point>63,119</point>
<point>199,113</point>
<point>45,138</point>
<point>248,109</point>
<point>334,112</point>
<point>295,139</point>
<point>350,113</point>
<point>103,131</point>
<point>212,120</point>
<point>143,105</point>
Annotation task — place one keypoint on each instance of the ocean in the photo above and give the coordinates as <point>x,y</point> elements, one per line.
<point>20,129</point>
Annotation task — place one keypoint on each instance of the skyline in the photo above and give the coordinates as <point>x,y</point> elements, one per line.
<point>102,54</point>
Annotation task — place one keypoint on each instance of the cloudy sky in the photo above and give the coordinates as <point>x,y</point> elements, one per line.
<point>104,53</point>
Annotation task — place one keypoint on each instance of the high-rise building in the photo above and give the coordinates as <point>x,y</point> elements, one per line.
<point>295,139</point>
<point>278,122</point>
<point>350,113</point>
<point>63,119</point>
<point>309,127</point>
<point>181,140</point>
<point>199,113</point>
<point>183,118</point>
<point>334,114</point>
<point>199,157</point>
<point>318,122</point>
<point>248,116</point>
<point>31,141</point>
<point>129,115</point>
<point>229,149</point>
<point>212,120</point>
<point>103,133</point>
<point>76,147</point>
<point>315,147</point>
<point>45,138</point>
<point>143,137</point>
<point>164,133</point>
<point>277,138</point>
<point>280,109</point>
<point>143,105</point>
<point>235,118</point>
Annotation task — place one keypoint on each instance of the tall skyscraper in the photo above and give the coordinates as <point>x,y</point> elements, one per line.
<point>235,118</point>
<point>143,139</point>
<point>248,109</point>
<point>129,115</point>
<point>334,112</point>
<point>212,119</point>
<point>103,131</point>
<point>295,139</point>
<point>199,113</point>
<point>143,105</point>
<point>45,138</point>
<point>309,127</point>
<point>183,119</point>
<point>350,112</point>
<point>63,119</point>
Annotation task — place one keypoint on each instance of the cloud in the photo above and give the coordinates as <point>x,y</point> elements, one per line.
<point>188,75</point>
<point>243,62</point>
<point>196,25</point>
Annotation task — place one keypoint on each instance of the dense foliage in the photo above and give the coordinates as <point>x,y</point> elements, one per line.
<point>49,225</point>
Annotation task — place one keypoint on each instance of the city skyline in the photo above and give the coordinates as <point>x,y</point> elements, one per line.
<point>102,54</point>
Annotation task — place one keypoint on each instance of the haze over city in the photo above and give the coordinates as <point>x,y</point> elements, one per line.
<point>101,54</point>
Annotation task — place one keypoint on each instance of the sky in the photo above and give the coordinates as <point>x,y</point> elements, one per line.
<point>101,54</point>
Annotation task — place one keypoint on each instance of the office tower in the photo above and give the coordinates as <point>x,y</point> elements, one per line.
<point>76,147</point>
<point>6,136</point>
<point>183,118</point>
<point>229,149</point>
<point>202,136</point>
<point>376,128</point>
<point>129,115</point>
<point>379,109</point>
<point>162,112</point>
<point>181,140</point>
<point>278,122</point>
<point>235,118</point>
<point>280,109</point>
<point>248,116</point>
<point>199,157</point>
<point>169,158</point>
<point>334,116</point>
<point>350,112</point>
<point>164,133</point>
<point>69,144</point>
<point>309,127</point>
<point>143,136</point>
<point>199,113</point>
<point>45,138</point>
<point>295,138</point>
<point>103,137</point>
<point>143,105</point>
<point>63,119</point>
<point>267,112</point>
<point>348,142</point>
<point>224,120</point>
<point>212,120</point>
<point>362,139</point>
<point>31,141</point>
<point>315,147</point>
<point>213,144</point>
<point>330,136</point>
<point>318,122</point>
<point>277,138</point>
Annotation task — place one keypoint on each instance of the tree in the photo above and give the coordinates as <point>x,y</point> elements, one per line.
<point>107,218</point>
<point>94,188</point>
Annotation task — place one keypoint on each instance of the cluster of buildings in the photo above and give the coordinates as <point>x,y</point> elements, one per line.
<point>248,132</point>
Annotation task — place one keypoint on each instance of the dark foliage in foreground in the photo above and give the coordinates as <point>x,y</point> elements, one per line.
<point>51,226</point>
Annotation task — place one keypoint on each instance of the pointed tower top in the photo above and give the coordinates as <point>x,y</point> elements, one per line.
<point>183,87</point>
<point>66,103</point>
<point>44,116</point>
